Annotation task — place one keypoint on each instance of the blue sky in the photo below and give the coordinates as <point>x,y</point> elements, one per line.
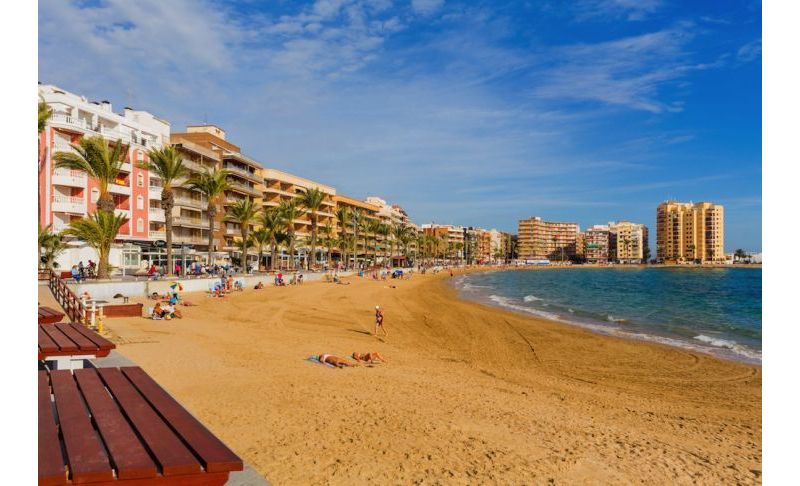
<point>473,113</point>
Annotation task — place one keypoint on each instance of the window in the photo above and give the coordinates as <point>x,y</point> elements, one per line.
<point>95,195</point>
<point>140,179</point>
<point>139,202</point>
<point>140,224</point>
<point>139,155</point>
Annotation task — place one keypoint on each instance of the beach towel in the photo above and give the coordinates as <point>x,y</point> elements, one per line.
<point>315,359</point>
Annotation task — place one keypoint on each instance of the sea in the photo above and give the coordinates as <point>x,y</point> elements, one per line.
<point>712,310</point>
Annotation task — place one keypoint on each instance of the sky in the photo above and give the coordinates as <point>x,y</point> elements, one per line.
<point>471,113</point>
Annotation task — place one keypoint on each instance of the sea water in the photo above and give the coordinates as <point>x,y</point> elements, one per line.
<point>714,310</point>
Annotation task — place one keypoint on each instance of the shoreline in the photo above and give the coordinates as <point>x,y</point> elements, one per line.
<point>613,329</point>
<point>463,379</point>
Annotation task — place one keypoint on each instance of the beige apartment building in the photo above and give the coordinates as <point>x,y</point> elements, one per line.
<point>627,242</point>
<point>538,239</point>
<point>244,179</point>
<point>370,211</point>
<point>690,232</point>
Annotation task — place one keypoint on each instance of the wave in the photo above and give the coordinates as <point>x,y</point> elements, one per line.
<point>531,298</point>
<point>611,318</point>
<point>509,303</point>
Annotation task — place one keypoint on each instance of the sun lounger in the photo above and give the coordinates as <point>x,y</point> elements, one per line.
<point>119,427</point>
<point>67,345</point>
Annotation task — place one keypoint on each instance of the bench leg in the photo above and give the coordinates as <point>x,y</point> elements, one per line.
<point>68,362</point>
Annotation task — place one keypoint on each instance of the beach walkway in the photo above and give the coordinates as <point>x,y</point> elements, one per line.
<point>47,298</point>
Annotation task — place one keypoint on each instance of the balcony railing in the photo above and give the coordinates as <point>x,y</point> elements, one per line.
<point>242,172</point>
<point>69,177</point>
<point>243,187</point>
<point>110,133</point>
<point>158,234</point>
<point>119,189</point>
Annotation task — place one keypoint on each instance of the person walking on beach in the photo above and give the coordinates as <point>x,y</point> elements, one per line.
<point>379,321</point>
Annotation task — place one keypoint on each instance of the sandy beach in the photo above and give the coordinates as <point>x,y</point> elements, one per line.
<point>472,393</point>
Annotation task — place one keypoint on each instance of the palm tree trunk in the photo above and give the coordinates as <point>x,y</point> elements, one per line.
<point>212,212</point>
<point>244,247</point>
<point>102,265</point>
<point>313,241</point>
<point>167,201</point>
<point>106,202</point>
<point>274,256</point>
<point>291,249</point>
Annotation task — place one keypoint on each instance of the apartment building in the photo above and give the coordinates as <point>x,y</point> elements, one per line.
<point>596,244</point>
<point>244,179</point>
<point>628,242</point>
<point>690,232</point>
<point>65,195</point>
<point>538,239</point>
<point>279,186</point>
<point>369,211</point>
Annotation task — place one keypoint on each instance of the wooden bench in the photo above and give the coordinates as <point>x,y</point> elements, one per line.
<point>119,427</point>
<point>67,345</point>
<point>48,315</point>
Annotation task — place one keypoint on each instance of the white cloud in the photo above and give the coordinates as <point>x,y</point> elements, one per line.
<point>749,52</point>
<point>426,7</point>
<point>633,10</point>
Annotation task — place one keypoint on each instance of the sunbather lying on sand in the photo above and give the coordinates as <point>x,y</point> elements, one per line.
<point>372,358</point>
<point>335,360</point>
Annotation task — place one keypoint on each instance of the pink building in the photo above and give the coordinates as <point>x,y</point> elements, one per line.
<point>65,194</point>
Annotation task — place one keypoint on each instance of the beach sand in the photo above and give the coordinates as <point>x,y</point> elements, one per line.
<point>472,393</point>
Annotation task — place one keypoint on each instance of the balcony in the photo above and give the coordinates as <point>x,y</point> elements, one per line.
<point>190,240</point>
<point>119,189</point>
<point>243,173</point>
<point>154,192</point>
<point>192,222</point>
<point>159,235</point>
<point>156,214</point>
<point>68,121</point>
<point>123,212</point>
<point>190,203</point>
<point>249,190</point>
<point>126,167</point>
<point>69,204</point>
<point>68,177</point>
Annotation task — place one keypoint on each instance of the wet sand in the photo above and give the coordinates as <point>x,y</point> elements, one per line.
<point>472,393</point>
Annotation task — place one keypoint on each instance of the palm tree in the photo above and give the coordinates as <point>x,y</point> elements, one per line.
<point>343,216</point>
<point>290,212</point>
<point>44,114</point>
<point>400,235</point>
<point>50,246</point>
<point>365,227</point>
<point>358,223</point>
<point>211,184</point>
<point>98,161</point>
<point>260,237</point>
<point>328,242</point>
<point>167,164</point>
<point>273,223</point>
<point>311,200</point>
<point>244,212</point>
<point>99,230</point>
<point>385,231</point>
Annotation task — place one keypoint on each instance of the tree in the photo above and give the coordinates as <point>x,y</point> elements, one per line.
<point>328,240</point>
<point>290,212</point>
<point>167,164</point>
<point>244,212</point>
<point>50,246</point>
<point>273,223</point>
<point>44,114</point>
<point>260,238</point>
<point>400,234</point>
<point>646,254</point>
<point>385,231</point>
<point>374,228</point>
<point>99,230</point>
<point>98,161</point>
<point>343,216</point>
<point>311,200</point>
<point>364,227</point>
<point>740,255</point>
<point>358,222</point>
<point>211,184</point>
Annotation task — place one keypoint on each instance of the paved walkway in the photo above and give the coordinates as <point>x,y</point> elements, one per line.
<point>47,298</point>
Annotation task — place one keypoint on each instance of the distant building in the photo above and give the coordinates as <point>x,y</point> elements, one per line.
<point>597,243</point>
<point>627,242</point>
<point>539,239</point>
<point>687,232</point>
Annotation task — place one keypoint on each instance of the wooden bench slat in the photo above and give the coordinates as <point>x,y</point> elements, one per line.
<point>48,315</point>
<point>102,343</point>
<point>46,344</point>
<point>170,453</point>
<point>62,341</point>
<point>216,456</point>
<point>52,468</point>
<point>128,454</point>
<point>85,454</point>
<point>83,343</point>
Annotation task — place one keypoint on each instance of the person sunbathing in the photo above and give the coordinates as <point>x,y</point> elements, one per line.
<point>371,358</point>
<point>335,361</point>
<point>158,312</point>
<point>259,286</point>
